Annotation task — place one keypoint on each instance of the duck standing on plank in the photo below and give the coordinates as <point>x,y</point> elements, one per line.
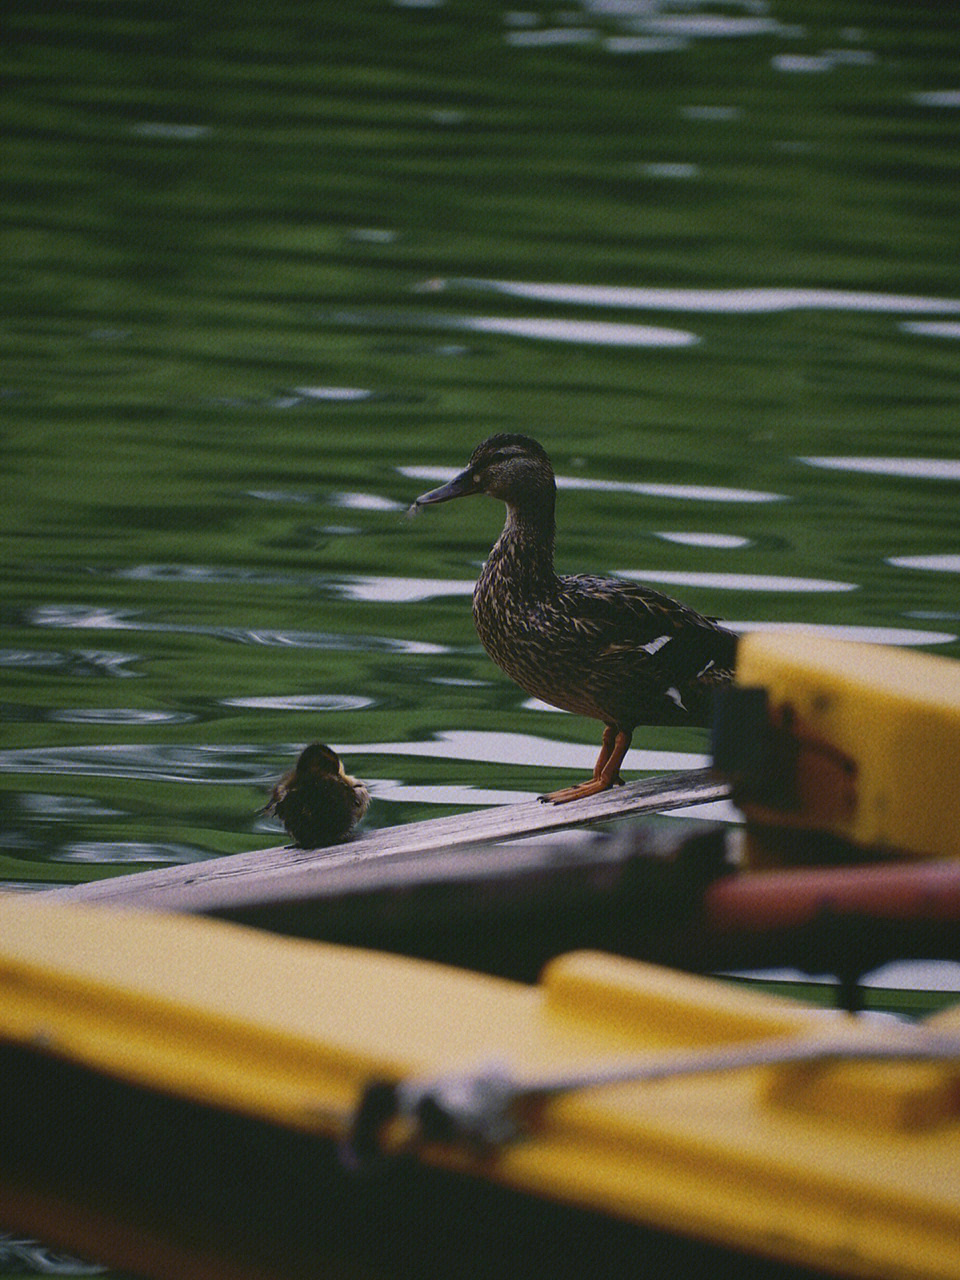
<point>317,801</point>
<point>601,647</point>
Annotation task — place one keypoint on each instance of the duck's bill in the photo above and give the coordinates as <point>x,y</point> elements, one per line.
<point>458,487</point>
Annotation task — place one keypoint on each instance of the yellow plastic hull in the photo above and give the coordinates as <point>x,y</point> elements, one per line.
<point>852,1168</point>
<point>892,715</point>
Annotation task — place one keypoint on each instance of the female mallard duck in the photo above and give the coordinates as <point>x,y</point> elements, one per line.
<point>600,647</point>
<point>317,801</point>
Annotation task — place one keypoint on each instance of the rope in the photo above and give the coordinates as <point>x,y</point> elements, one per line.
<point>488,1108</point>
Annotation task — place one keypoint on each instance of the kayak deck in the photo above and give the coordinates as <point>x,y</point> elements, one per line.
<point>852,1167</point>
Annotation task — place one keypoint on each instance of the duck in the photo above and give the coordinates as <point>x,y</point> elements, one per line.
<point>317,801</point>
<point>616,651</point>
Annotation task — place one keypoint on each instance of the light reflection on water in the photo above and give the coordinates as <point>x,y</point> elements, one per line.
<point>735,581</point>
<point>908,468</point>
<point>349,395</point>
<point>83,616</point>
<point>390,790</point>
<point>722,541</point>
<point>57,808</point>
<point>657,32</point>
<point>403,590</point>
<point>525,749</point>
<point>671,171</point>
<point>118,715</point>
<point>74,662</point>
<point>364,502</point>
<point>158,762</point>
<point>933,328</point>
<point>302,702</point>
<point>128,851</point>
<point>644,44</point>
<point>937,563</point>
<point>758,301</point>
<point>939,98</point>
<point>591,333</point>
<point>712,115</point>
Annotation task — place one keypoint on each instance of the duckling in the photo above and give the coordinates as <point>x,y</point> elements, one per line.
<point>602,647</point>
<point>317,801</point>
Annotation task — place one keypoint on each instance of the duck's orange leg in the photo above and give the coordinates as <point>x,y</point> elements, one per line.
<point>606,749</point>
<point>606,772</point>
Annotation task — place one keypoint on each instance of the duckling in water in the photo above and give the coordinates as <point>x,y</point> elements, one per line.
<point>601,647</point>
<point>317,801</point>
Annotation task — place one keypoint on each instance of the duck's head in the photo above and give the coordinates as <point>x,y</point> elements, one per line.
<point>508,467</point>
<point>319,760</point>
<point>320,765</point>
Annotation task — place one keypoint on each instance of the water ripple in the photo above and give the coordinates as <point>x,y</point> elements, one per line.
<point>549,37</point>
<point>492,747</point>
<point>95,617</point>
<point>644,44</point>
<point>58,808</point>
<point>543,328</point>
<point>938,563</point>
<point>118,715</point>
<point>281,495</point>
<point>588,332</point>
<point>724,541</point>
<point>349,395</point>
<point>76,662</point>
<point>302,702</point>
<point>735,581</point>
<point>244,765</point>
<point>121,851</point>
<point>364,502</point>
<point>332,642</point>
<point>711,115</point>
<point>716,301</point>
<point>201,573</point>
<point>402,590</point>
<point>717,26</point>
<point>396,792</point>
<point>170,131</point>
<point>933,328</point>
<point>909,468</point>
<point>671,171</point>
<point>938,98</point>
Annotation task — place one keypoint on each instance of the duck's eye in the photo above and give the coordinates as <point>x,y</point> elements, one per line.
<point>475,477</point>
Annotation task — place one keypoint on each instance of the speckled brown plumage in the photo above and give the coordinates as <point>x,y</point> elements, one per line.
<point>601,647</point>
<point>317,801</point>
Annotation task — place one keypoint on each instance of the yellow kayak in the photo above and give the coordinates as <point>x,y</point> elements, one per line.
<point>856,740</point>
<point>177,1091</point>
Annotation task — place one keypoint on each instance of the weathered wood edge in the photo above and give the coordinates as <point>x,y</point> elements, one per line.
<point>288,874</point>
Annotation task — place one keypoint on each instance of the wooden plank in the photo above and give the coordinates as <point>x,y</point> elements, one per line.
<point>288,874</point>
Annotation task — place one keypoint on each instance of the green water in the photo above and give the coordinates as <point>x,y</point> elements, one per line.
<point>253,265</point>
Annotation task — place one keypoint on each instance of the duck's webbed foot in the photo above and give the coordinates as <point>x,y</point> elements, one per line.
<point>582,790</point>
<point>606,773</point>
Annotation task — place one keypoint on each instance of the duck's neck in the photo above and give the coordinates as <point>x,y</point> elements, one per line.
<point>524,549</point>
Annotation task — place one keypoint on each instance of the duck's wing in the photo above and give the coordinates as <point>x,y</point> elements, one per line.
<point>621,615</point>
<point>645,650</point>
